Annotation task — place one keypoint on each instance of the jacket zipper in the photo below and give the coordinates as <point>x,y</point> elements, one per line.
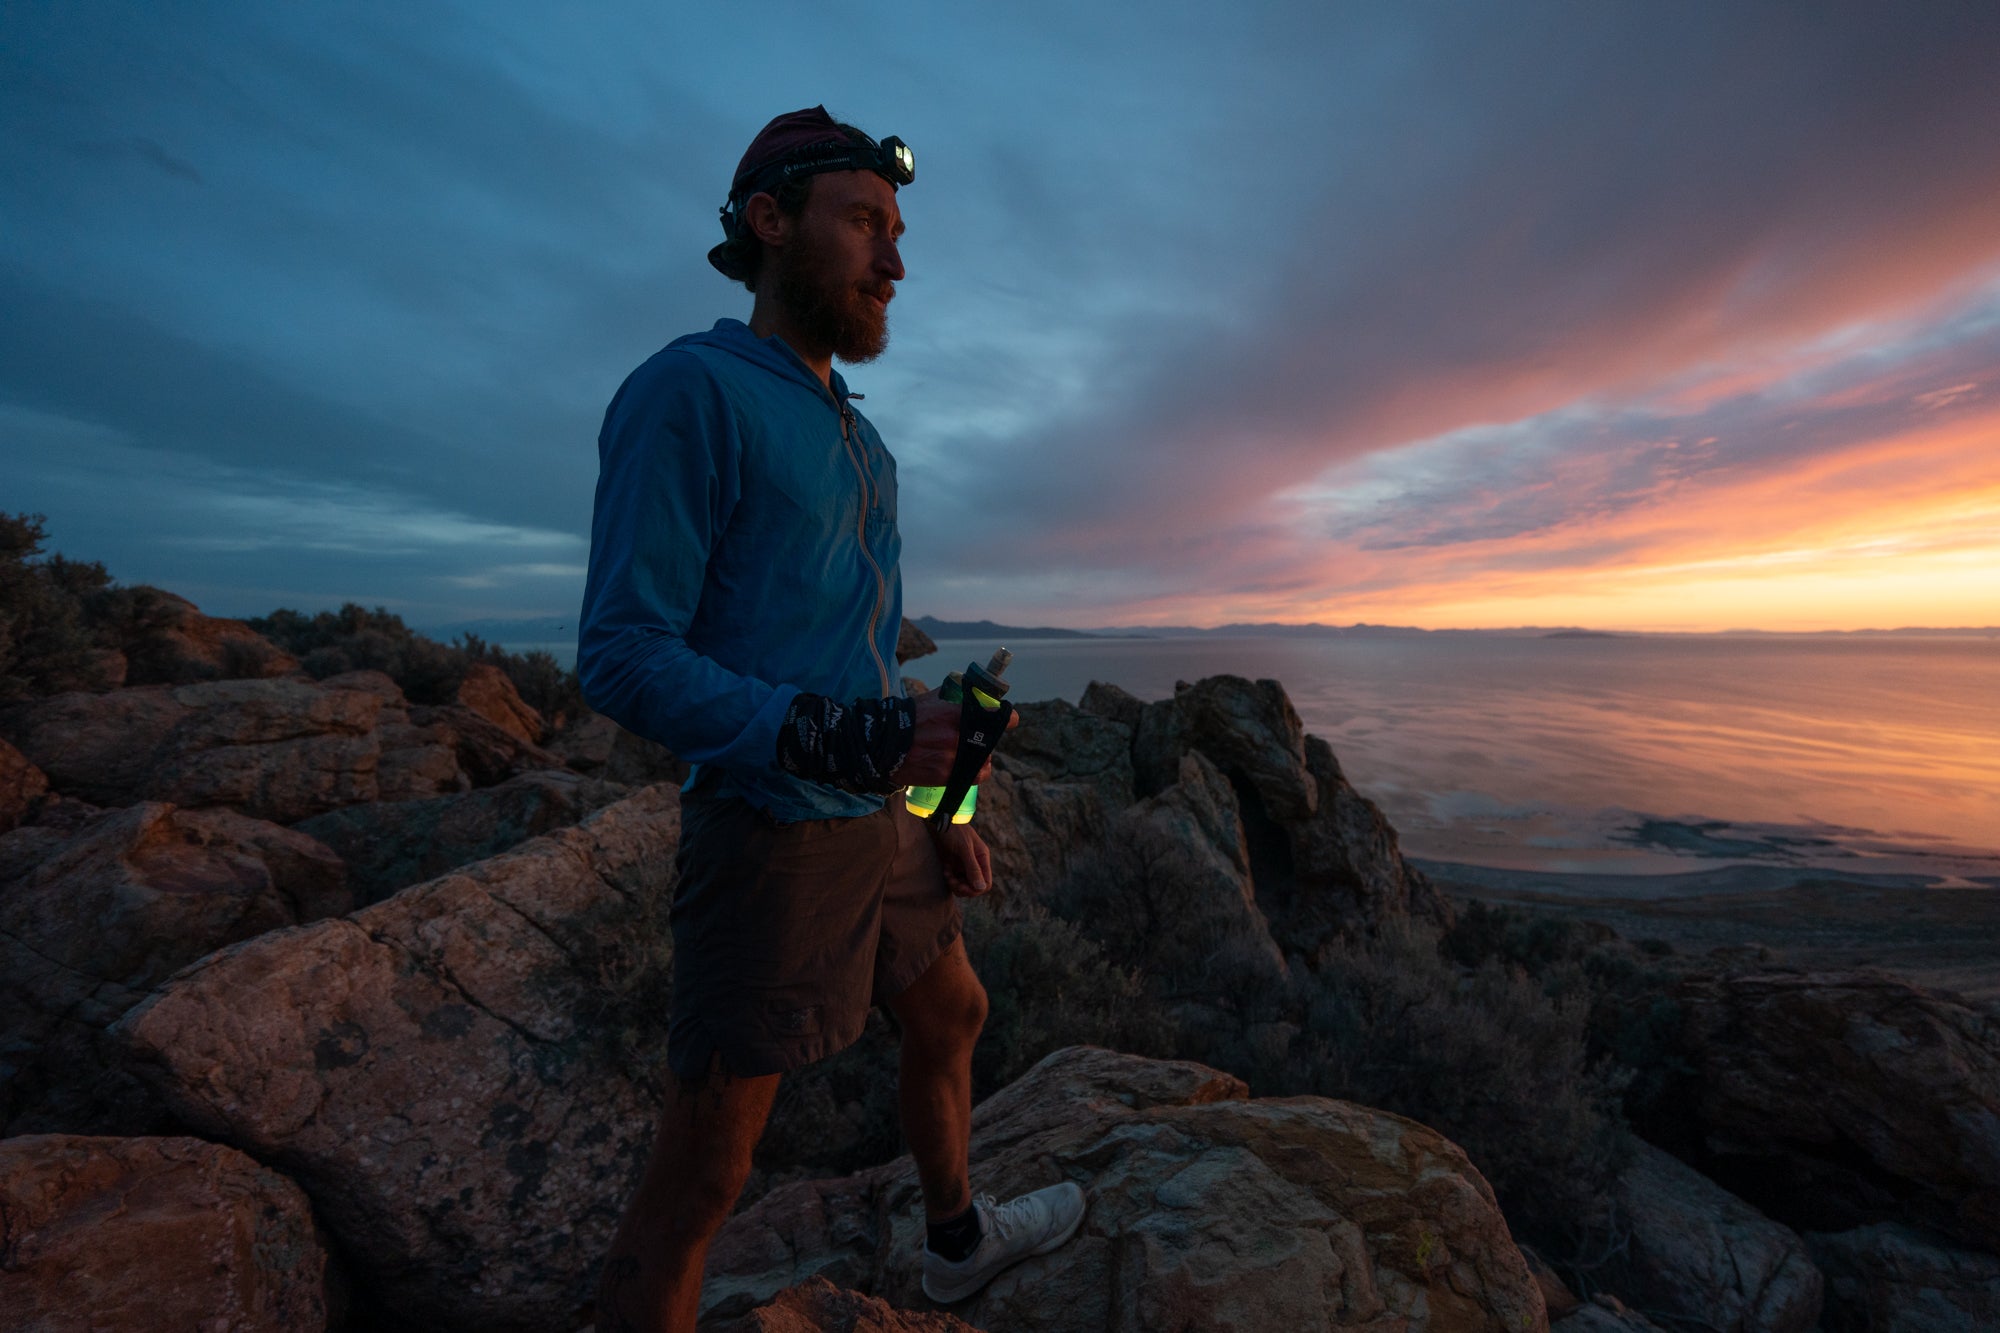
<point>861,533</point>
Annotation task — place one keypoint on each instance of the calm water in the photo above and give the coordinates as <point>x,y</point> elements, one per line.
<point>1638,754</point>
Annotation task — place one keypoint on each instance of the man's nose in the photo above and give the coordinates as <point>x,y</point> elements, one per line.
<point>889,261</point>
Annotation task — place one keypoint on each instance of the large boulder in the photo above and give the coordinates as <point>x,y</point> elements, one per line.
<point>92,920</point>
<point>1207,1211</point>
<point>1695,1251</point>
<point>489,692</point>
<point>1170,890</point>
<point>153,1234</point>
<point>1248,728</point>
<point>166,640</point>
<point>461,1077</point>
<point>277,749</point>
<point>1831,1100</point>
<point>390,845</point>
<point>22,788</point>
<point>1889,1278</point>
<point>1605,1313</point>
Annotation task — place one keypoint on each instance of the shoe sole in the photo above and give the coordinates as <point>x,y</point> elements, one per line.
<point>1049,1246</point>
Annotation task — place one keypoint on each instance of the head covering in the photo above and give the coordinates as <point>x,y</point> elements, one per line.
<point>787,137</point>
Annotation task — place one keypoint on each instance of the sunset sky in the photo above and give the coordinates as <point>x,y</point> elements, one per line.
<point>1669,316</point>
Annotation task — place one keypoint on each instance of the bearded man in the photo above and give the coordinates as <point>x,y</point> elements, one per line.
<point>742,608</point>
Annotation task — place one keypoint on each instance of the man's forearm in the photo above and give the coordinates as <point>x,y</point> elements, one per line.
<point>857,746</point>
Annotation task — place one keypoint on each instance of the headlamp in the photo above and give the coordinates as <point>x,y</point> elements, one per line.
<point>891,159</point>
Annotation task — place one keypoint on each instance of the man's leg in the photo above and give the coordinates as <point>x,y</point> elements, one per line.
<point>941,1013</point>
<point>701,1157</point>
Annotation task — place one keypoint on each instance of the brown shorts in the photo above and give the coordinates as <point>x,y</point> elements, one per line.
<point>786,934</point>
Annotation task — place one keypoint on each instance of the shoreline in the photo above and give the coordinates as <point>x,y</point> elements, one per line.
<point>1816,920</point>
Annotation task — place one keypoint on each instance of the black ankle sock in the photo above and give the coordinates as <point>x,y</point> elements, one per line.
<point>955,1237</point>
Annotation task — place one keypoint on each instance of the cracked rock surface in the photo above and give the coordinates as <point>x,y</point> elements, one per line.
<point>1208,1210</point>
<point>461,1077</point>
<point>157,1234</point>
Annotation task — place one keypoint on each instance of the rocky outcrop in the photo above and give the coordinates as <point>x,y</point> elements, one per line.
<point>1249,729</point>
<point>1697,1252</point>
<point>459,1077</point>
<point>1059,742</point>
<point>1893,1279</point>
<point>912,643</point>
<point>596,745</point>
<point>278,749</point>
<point>1106,700</point>
<point>22,788</point>
<point>1036,829</point>
<point>1207,1210</point>
<point>488,753</point>
<point>390,845</point>
<point>154,1234</point>
<point>1171,893</point>
<point>488,691</point>
<point>168,641</point>
<point>415,761</point>
<point>1347,867</point>
<point>91,920</point>
<point>1832,1100</point>
<point>817,1306</point>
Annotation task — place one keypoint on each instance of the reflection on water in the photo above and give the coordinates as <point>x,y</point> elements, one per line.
<point>1554,753</point>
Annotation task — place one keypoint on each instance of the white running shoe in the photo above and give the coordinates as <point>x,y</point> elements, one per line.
<point>1010,1232</point>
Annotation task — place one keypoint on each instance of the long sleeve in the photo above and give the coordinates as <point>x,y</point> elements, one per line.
<point>668,480</point>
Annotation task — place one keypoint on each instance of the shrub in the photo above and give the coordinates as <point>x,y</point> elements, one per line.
<point>1480,1054</point>
<point>50,639</point>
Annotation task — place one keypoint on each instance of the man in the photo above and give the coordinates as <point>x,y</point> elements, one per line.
<point>742,608</point>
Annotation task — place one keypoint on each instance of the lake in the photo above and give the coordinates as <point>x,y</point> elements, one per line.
<point>1633,754</point>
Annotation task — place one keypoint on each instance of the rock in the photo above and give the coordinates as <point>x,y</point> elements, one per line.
<point>489,692</point>
<point>1345,868</point>
<point>91,921</point>
<point>1170,891</point>
<point>1250,731</point>
<point>1035,829</point>
<point>1696,1251</point>
<point>596,745</point>
<point>153,1234</point>
<point>108,667</point>
<point>415,761</point>
<point>1605,1313</point>
<point>168,641</point>
<point>1059,741</point>
<point>1109,701</point>
<point>1832,1100</point>
<point>1894,1279</point>
<point>912,643</point>
<point>461,1077</point>
<point>22,788</point>
<point>1207,1211</point>
<point>277,749</point>
<point>487,752</point>
<point>390,845</point>
<point>817,1306</point>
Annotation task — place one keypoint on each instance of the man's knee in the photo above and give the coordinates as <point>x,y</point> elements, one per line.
<point>951,1022</point>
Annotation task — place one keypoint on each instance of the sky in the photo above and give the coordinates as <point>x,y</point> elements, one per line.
<point>1639,316</point>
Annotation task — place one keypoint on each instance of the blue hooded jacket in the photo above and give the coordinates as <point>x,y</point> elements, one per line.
<point>743,548</point>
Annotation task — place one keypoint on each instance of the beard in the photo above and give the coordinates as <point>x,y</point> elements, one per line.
<point>828,312</point>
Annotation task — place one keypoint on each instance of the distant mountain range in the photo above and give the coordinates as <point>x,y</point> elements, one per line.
<point>549,629</point>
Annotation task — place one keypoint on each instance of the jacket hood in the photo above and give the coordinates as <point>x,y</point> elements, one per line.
<point>773,354</point>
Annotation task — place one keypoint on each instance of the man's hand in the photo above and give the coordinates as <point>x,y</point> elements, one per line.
<point>928,764</point>
<point>968,866</point>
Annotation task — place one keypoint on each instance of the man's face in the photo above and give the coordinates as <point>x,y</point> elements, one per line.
<point>838,274</point>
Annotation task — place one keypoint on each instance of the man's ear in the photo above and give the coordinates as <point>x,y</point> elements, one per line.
<point>766,223</point>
